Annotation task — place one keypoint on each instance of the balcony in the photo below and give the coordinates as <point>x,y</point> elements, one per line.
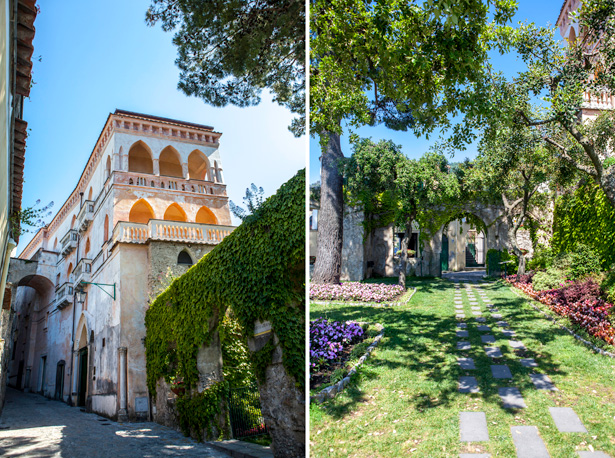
<point>82,271</point>
<point>208,188</point>
<point>69,242</point>
<point>170,231</point>
<point>86,215</point>
<point>602,102</point>
<point>64,295</point>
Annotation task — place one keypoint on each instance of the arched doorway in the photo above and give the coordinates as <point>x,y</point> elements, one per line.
<point>463,243</point>
<point>82,367</point>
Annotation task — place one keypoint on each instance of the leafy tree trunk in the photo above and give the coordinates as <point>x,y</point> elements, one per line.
<point>404,254</point>
<point>331,214</point>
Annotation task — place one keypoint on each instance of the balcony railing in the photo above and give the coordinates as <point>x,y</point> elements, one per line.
<point>209,188</point>
<point>82,271</point>
<point>601,102</point>
<point>86,215</point>
<point>64,295</point>
<point>172,231</point>
<point>69,242</point>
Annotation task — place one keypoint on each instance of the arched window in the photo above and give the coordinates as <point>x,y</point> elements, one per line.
<point>198,166</point>
<point>108,168</point>
<point>90,193</point>
<point>175,213</point>
<point>205,216</point>
<point>184,259</point>
<point>169,163</point>
<point>106,228</point>
<point>140,159</point>
<point>141,212</point>
<point>87,246</point>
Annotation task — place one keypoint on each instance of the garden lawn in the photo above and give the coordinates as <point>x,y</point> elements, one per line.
<point>404,400</point>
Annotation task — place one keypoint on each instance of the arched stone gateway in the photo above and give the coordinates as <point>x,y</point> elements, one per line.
<point>472,218</point>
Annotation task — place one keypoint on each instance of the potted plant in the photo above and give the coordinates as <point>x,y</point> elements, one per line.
<point>177,385</point>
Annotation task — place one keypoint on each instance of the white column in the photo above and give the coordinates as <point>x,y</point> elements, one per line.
<point>156,167</point>
<point>75,372</point>
<point>122,414</point>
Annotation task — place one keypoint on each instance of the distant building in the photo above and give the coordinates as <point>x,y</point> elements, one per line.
<point>151,197</point>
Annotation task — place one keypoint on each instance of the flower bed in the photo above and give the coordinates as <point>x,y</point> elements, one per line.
<point>329,339</point>
<point>355,291</point>
<point>580,302</point>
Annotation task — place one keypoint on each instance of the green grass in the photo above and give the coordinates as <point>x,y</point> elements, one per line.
<point>404,400</point>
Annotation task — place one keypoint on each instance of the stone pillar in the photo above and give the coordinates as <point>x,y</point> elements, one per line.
<point>122,414</point>
<point>185,170</point>
<point>75,375</point>
<point>26,385</point>
<point>156,167</point>
<point>220,177</point>
<point>212,175</point>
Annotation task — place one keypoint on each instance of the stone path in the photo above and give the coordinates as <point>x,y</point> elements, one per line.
<point>473,426</point>
<point>33,426</point>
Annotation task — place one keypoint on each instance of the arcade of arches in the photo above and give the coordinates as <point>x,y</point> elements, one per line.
<point>141,212</point>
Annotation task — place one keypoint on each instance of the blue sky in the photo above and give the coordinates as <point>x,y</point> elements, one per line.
<point>541,12</point>
<point>99,56</point>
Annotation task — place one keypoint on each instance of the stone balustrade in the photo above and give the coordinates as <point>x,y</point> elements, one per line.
<point>602,102</point>
<point>171,231</point>
<point>170,183</point>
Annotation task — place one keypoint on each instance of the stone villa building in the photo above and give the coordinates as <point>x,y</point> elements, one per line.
<point>151,197</point>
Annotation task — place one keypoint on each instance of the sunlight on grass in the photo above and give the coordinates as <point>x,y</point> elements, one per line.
<point>404,399</point>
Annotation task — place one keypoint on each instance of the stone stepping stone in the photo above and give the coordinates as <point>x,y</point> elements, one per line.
<point>493,352</point>
<point>593,455</point>
<point>566,420</point>
<point>473,427</point>
<point>466,363</point>
<point>468,385</point>
<point>483,328</point>
<point>516,344</point>
<point>508,333</point>
<point>475,313</point>
<point>474,455</point>
<point>500,371</point>
<point>462,325</point>
<point>458,302</point>
<point>460,316</point>
<point>528,362</point>
<point>496,316</point>
<point>487,339</point>
<point>528,442</point>
<point>542,382</point>
<point>502,324</point>
<point>481,319</point>
<point>463,334</point>
<point>475,308</point>
<point>511,398</point>
<point>463,345</point>
<point>458,307</point>
<point>493,309</point>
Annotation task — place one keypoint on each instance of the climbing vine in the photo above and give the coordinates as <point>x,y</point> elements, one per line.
<point>258,272</point>
<point>196,413</point>
<point>585,217</point>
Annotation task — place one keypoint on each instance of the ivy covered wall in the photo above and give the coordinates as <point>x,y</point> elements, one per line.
<point>586,217</point>
<point>258,272</point>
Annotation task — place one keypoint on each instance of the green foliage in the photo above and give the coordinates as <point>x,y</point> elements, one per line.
<point>608,285</point>
<point>511,267</point>
<point>585,217</point>
<point>543,258</point>
<point>29,217</point>
<point>257,272</point>
<point>253,199</point>
<point>495,257</point>
<point>549,279</point>
<point>237,365</point>
<point>228,52</point>
<point>196,413</point>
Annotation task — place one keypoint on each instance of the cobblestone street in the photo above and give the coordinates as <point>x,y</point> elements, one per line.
<point>34,426</point>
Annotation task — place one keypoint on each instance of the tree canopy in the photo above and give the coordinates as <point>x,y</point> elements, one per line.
<point>229,51</point>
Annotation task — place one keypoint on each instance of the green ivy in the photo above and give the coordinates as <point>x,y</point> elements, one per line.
<point>258,271</point>
<point>585,217</point>
<point>196,413</point>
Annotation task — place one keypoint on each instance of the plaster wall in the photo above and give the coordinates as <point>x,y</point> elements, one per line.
<point>5,129</point>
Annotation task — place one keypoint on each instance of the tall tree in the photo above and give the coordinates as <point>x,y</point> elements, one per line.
<point>229,51</point>
<point>391,62</point>
<point>514,163</point>
<point>560,81</point>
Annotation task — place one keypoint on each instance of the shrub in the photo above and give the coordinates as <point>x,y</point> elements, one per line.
<point>495,257</point>
<point>583,262</point>
<point>608,285</point>
<point>543,258</point>
<point>512,267</point>
<point>549,279</point>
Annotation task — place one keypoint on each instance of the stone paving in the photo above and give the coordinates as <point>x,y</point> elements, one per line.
<point>35,427</point>
<point>473,426</point>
